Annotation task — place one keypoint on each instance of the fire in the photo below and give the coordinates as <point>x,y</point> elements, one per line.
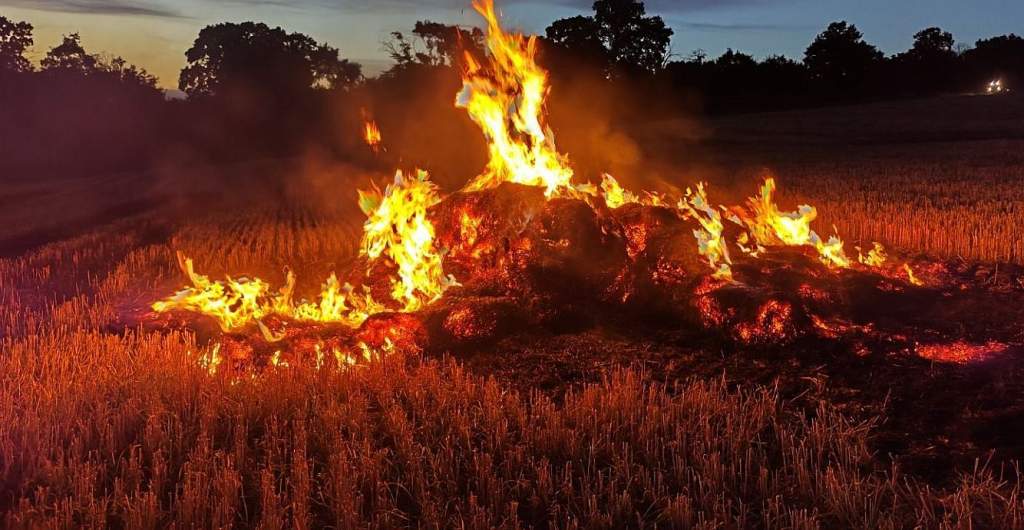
<point>504,93</point>
<point>771,226</point>
<point>876,256</point>
<point>371,133</point>
<point>911,277</point>
<point>337,303</point>
<point>614,194</point>
<point>505,97</point>
<point>233,303</point>
<point>961,352</point>
<point>710,242</point>
<point>396,227</point>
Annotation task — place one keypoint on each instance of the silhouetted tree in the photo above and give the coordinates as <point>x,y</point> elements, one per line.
<point>81,113</point>
<point>634,40</point>
<point>129,74</point>
<point>15,38</point>
<point>932,42</point>
<point>580,38</point>
<point>929,66</point>
<point>69,55</point>
<point>631,40</point>
<point>839,59</point>
<point>997,57</point>
<point>254,56</point>
<point>434,44</point>
<point>782,78</point>
<point>69,58</point>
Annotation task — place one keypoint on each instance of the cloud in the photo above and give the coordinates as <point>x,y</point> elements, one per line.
<point>98,7</point>
<point>662,7</point>
<point>711,26</point>
<point>654,7</point>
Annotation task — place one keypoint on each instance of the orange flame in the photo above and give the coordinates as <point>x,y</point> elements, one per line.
<point>505,97</point>
<point>771,226</point>
<point>371,133</point>
<point>710,242</point>
<point>396,227</point>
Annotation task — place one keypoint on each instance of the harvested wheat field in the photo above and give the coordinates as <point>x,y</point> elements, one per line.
<point>801,319</point>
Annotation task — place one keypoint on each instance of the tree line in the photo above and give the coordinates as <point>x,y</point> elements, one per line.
<point>254,90</point>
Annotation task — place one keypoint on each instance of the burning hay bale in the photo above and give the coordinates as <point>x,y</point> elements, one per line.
<point>526,245</point>
<point>570,252</point>
<point>481,232</point>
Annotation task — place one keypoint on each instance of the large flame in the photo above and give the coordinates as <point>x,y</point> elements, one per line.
<point>504,93</point>
<point>505,97</point>
<point>396,227</point>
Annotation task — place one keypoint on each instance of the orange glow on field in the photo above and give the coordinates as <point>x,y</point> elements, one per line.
<point>504,93</point>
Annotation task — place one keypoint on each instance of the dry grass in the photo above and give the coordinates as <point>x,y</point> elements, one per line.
<point>967,202</point>
<point>936,176</point>
<point>101,426</point>
<point>106,427</point>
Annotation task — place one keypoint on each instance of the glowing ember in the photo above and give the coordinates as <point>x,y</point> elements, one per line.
<point>505,97</point>
<point>961,352</point>
<point>772,324</point>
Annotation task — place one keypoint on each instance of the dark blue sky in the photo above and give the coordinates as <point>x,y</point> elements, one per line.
<point>155,33</point>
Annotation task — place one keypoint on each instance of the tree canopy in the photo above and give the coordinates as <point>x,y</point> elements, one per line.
<point>15,38</point>
<point>434,44</point>
<point>69,55</point>
<point>255,55</point>
<point>620,34</point>
<point>70,58</point>
<point>839,57</point>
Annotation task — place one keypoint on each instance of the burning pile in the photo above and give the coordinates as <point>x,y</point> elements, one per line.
<point>531,246</point>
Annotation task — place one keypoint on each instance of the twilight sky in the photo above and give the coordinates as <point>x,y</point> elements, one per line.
<point>155,33</point>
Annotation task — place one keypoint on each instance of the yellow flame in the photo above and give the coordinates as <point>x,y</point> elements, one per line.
<point>396,227</point>
<point>710,242</point>
<point>614,194</point>
<point>911,277</point>
<point>770,226</point>
<point>876,256</point>
<point>233,303</point>
<point>505,97</point>
<point>371,133</point>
